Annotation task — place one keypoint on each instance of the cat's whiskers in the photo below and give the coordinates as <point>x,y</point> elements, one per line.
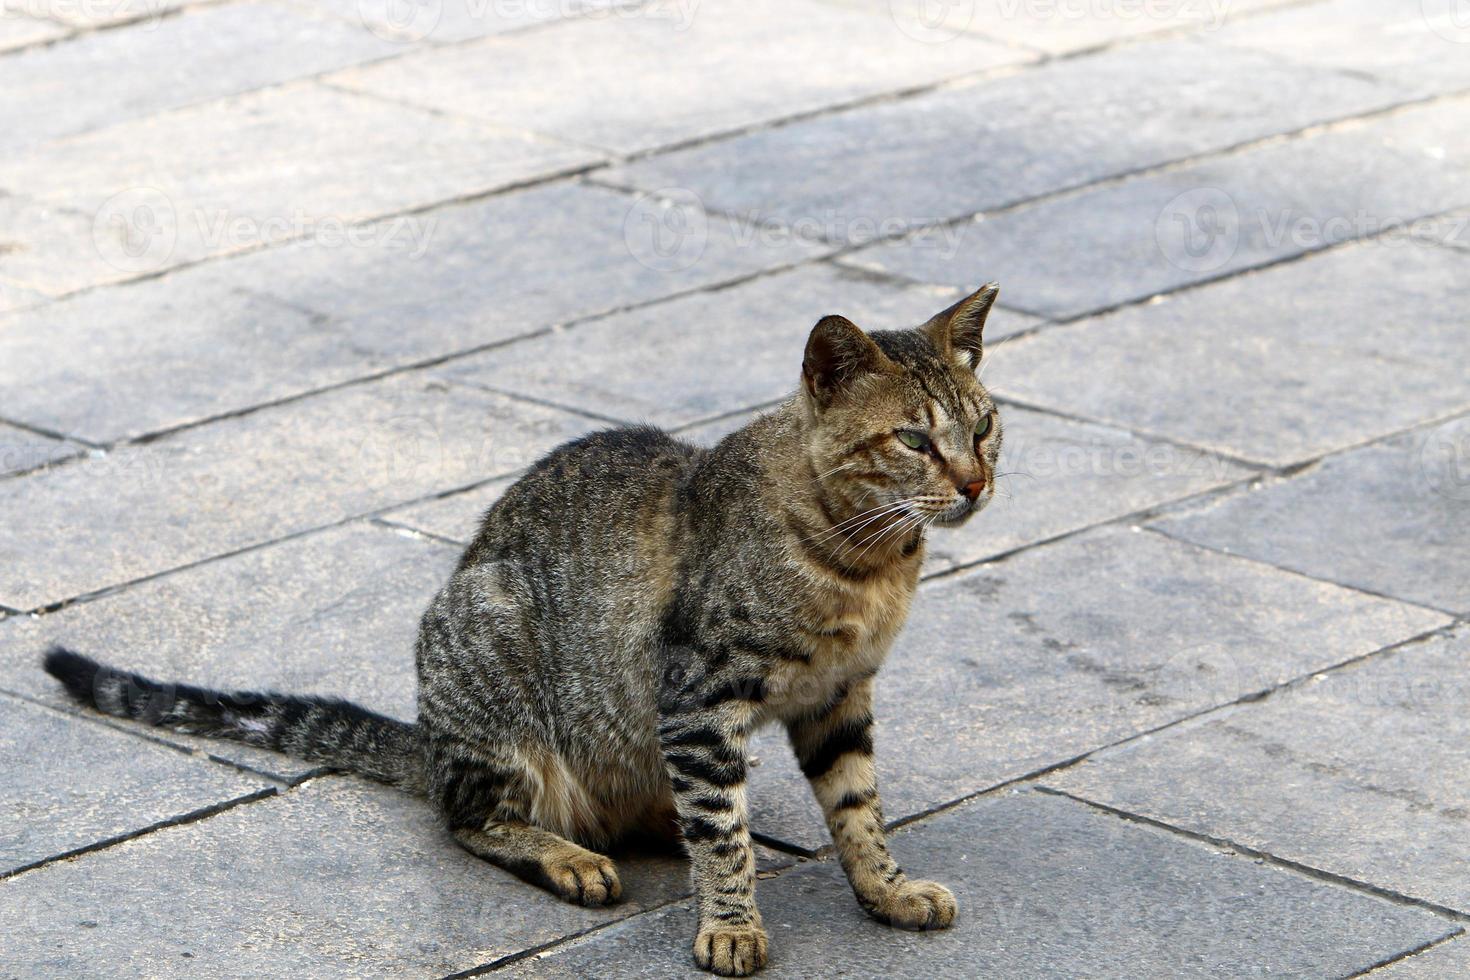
<point>844,527</point>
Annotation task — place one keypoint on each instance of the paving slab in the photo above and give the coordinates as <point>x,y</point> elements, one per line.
<point>72,784</point>
<point>1060,650</point>
<point>1277,367</point>
<point>93,13</point>
<point>636,366</point>
<point>220,50</point>
<point>18,30</point>
<point>1449,959</point>
<point>671,72</point>
<point>21,450</point>
<point>333,613</point>
<point>174,187</point>
<point>1000,141</point>
<point>247,480</point>
<point>335,878</point>
<point>1392,518</point>
<point>1363,772</point>
<point>1046,888</point>
<point>1421,44</point>
<point>1057,28</point>
<point>222,336</point>
<point>447,21</point>
<point>1151,234</point>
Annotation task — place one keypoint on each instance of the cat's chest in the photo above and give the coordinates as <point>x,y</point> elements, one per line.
<point>846,632</point>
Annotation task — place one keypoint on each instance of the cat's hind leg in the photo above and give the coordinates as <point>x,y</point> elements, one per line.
<point>489,805</point>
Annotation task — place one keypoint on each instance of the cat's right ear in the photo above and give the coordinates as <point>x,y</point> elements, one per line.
<point>837,352</point>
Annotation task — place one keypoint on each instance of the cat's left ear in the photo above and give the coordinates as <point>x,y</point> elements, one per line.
<point>957,330</point>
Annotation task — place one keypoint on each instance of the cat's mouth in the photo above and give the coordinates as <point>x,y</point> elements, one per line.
<point>961,511</point>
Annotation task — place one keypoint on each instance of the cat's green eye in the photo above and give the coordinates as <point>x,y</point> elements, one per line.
<point>916,441</point>
<point>982,428</point>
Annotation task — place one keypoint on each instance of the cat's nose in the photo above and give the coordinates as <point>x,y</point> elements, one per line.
<point>973,489</point>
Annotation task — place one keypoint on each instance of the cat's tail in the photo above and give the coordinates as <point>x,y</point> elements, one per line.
<point>338,734</point>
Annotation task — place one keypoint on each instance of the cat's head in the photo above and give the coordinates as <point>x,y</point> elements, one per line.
<point>903,430</point>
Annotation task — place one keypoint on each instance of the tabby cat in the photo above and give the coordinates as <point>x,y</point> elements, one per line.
<point>635,607</point>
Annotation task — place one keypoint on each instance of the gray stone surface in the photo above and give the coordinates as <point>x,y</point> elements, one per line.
<point>333,613</point>
<point>1449,959</point>
<point>635,366</point>
<point>445,21</point>
<point>94,13</point>
<point>221,49</point>
<point>1421,44</point>
<point>21,450</point>
<point>1000,141</point>
<point>670,72</point>
<point>453,518</point>
<point>174,187</point>
<point>1046,888</point>
<point>243,481</point>
<point>226,335</point>
<point>1058,28</point>
<point>69,785</point>
<point>1364,772</point>
<point>1392,518</point>
<point>18,30</point>
<point>1061,650</point>
<point>1277,367</point>
<point>336,878</point>
<point>1122,242</point>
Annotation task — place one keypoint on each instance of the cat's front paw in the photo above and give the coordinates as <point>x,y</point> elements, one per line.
<point>915,905</point>
<point>730,951</point>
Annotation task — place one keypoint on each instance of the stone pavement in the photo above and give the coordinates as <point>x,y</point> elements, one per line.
<point>291,289</point>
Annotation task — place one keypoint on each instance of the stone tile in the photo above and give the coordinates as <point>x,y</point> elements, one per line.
<point>333,613</point>
<point>455,517</point>
<point>335,878</point>
<point>1046,888</point>
<point>244,481</point>
<point>1057,28</point>
<point>1061,650</point>
<point>173,188</point>
<point>1451,959</point>
<point>1000,141</point>
<point>45,252</point>
<point>1364,772</point>
<point>1420,44</point>
<point>1277,367</point>
<point>1392,518</point>
<point>71,784</point>
<point>18,30</point>
<point>94,13</point>
<point>641,366</point>
<point>21,450</point>
<point>199,55</point>
<point>671,72</point>
<point>282,321</point>
<point>1098,248</point>
<point>454,20</point>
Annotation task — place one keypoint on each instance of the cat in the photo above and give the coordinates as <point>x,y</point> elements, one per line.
<point>634,607</point>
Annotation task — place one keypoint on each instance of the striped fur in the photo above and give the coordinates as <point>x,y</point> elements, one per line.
<point>634,608</point>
